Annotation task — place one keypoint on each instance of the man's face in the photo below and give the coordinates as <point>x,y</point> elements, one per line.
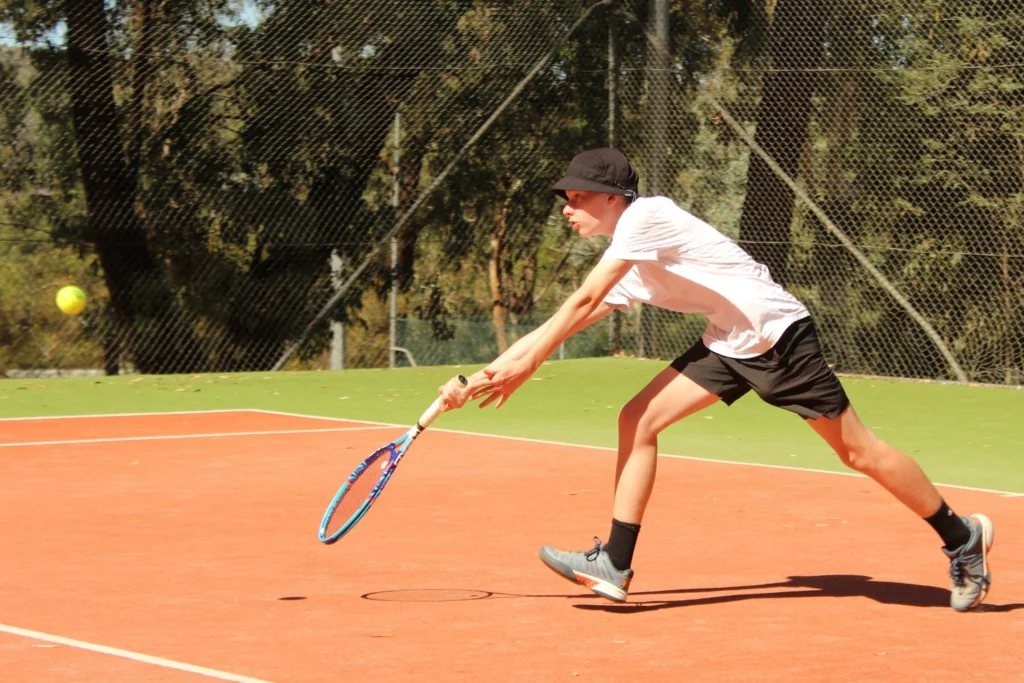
<point>592,213</point>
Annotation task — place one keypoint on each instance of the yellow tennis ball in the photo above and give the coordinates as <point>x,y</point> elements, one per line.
<point>71,300</point>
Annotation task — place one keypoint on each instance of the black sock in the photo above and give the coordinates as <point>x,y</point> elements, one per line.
<point>950,527</point>
<point>621,543</point>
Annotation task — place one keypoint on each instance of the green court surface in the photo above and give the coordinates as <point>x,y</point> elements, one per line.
<point>964,435</point>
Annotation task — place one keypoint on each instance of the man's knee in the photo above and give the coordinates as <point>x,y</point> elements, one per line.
<point>861,453</point>
<point>633,417</point>
<point>629,415</point>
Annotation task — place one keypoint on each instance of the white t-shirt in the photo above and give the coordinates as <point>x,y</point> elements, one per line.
<point>683,264</point>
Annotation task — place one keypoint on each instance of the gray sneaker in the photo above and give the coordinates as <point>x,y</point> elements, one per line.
<point>593,569</point>
<point>968,565</point>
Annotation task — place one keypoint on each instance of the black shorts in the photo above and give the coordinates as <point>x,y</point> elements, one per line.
<point>792,375</point>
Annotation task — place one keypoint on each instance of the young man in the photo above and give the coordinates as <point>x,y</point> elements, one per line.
<point>759,337</point>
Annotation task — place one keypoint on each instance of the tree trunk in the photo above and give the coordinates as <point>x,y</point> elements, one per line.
<point>782,120</point>
<point>838,195</point>
<point>142,76</point>
<point>499,267</point>
<point>132,276</point>
<point>523,286</point>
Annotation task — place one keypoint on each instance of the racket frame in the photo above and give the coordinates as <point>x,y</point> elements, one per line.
<point>395,450</point>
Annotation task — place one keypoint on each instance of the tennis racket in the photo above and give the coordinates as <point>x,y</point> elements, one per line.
<point>353,500</point>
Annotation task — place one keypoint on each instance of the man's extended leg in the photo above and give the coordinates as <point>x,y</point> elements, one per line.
<point>967,539</point>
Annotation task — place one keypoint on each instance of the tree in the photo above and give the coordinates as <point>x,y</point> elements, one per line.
<point>492,211</point>
<point>964,198</point>
<point>797,37</point>
<point>110,175</point>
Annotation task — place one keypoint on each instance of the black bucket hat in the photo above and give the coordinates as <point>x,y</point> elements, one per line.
<point>600,170</point>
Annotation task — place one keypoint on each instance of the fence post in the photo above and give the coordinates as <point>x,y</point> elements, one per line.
<point>659,91</point>
<point>395,189</point>
<point>337,327</point>
<point>615,319</point>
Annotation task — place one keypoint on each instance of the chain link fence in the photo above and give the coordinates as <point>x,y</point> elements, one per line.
<point>253,185</point>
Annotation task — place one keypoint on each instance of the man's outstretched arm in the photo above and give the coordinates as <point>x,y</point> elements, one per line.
<point>456,394</point>
<point>581,309</point>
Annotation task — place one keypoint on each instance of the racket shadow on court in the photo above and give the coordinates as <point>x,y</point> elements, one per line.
<point>460,595</point>
<point>825,586</point>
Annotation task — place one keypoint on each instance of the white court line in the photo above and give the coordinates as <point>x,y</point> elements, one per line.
<point>321,417</point>
<point>153,414</point>
<point>128,654</point>
<point>1004,494</point>
<point>189,436</point>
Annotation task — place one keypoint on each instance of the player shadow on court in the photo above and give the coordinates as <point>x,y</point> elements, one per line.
<point>827,586</point>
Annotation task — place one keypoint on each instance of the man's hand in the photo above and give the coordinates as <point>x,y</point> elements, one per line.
<point>455,393</point>
<point>498,385</point>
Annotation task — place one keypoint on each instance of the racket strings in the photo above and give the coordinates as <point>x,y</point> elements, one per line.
<point>360,489</point>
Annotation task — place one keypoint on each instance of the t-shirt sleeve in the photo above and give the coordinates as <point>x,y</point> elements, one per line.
<point>621,295</point>
<point>636,235</point>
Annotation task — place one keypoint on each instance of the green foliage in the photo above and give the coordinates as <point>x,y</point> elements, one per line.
<point>919,159</point>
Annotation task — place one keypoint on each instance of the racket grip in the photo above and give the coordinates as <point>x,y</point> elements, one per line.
<point>435,409</point>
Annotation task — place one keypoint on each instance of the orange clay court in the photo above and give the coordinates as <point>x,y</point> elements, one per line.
<point>183,547</point>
